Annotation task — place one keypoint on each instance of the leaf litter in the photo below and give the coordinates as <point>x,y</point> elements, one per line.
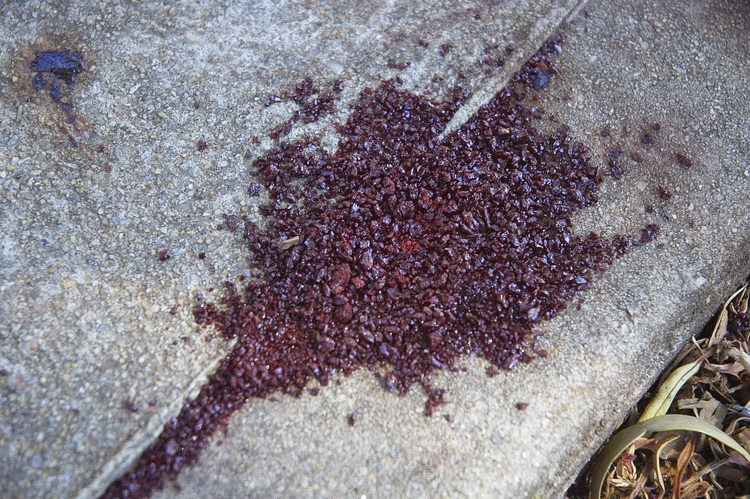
<point>693,437</point>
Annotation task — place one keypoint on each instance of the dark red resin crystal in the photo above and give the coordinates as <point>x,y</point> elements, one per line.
<point>400,252</point>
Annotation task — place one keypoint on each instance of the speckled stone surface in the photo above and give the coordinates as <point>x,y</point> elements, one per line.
<point>86,207</point>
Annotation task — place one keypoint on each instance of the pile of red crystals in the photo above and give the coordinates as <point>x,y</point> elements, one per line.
<point>398,253</point>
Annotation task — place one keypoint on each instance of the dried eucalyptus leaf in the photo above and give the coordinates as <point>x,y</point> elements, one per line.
<point>638,487</point>
<point>741,303</point>
<point>686,455</point>
<point>688,404</point>
<point>731,474</point>
<point>720,331</point>
<point>657,455</point>
<point>695,490</point>
<point>738,459</point>
<point>659,405</point>
<point>734,368</point>
<point>742,357</point>
<point>623,439</point>
<point>719,414</point>
<point>732,426</point>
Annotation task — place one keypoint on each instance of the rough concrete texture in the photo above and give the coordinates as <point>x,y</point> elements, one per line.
<point>85,326</point>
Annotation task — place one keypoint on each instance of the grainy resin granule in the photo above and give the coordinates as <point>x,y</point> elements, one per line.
<point>400,253</point>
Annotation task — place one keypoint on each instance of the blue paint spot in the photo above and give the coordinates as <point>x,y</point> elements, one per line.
<point>64,64</point>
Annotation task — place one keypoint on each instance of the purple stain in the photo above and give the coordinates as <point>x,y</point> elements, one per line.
<point>55,91</point>
<point>64,64</point>
<point>38,82</point>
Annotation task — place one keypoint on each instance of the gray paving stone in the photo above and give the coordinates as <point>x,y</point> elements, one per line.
<point>85,326</point>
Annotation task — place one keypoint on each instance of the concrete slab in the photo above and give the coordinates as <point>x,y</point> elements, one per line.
<point>87,206</point>
<point>84,300</point>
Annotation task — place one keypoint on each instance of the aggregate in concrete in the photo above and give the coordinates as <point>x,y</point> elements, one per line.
<point>85,324</point>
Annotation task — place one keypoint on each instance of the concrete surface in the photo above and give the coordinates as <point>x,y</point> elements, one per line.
<point>85,326</point>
